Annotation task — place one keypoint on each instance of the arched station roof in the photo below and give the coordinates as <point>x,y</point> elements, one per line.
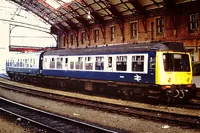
<point>68,15</point>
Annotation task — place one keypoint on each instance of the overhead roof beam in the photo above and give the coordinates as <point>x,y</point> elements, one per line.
<point>62,28</point>
<point>141,9</point>
<point>72,25</point>
<point>83,21</point>
<point>169,4</point>
<point>114,11</point>
<point>80,19</point>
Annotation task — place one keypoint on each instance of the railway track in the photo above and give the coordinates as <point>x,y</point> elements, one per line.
<point>173,117</point>
<point>50,121</point>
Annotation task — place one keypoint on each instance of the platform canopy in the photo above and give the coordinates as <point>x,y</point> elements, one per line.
<point>65,15</point>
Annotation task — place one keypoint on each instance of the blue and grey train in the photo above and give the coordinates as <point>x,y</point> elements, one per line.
<point>156,69</point>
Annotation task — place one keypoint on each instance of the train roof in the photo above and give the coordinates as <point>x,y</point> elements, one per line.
<point>122,48</point>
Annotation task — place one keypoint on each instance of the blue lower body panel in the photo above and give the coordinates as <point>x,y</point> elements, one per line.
<point>108,76</point>
<point>23,71</point>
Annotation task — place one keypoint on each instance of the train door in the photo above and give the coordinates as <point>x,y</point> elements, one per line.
<point>41,62</point>
<point>152,67</point>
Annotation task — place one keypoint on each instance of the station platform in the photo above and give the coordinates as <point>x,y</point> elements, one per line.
<point>196,80</point>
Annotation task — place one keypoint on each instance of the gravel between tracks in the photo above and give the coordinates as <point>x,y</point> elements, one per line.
<point>124,122</point>
<point>7,126</point>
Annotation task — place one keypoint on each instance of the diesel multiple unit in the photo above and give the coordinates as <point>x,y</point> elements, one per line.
<point>158,69</point>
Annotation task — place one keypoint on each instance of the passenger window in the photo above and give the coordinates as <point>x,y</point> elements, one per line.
<point>138,63</point>
<point>10,62</point>
<point>88,63</point>
<point>23,63</point>
<point>31,63</point>
<point>27,62</point>
<point>34,63</point>
<point>109,61</point>
<point>99,63</point>
<point>79,63</point>
<point>59,63</point>
<point>20,64</point>
<point>66,62</point>
<point>52,63</point>
<point>17,63</point>
<point>121,63</point>
<point>72,65</point>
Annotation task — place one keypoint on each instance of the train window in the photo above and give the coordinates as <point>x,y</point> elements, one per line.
<point>20,64</point>
<point>79,63</point>
<point>121,63</point>
<point>72,65</point>
<point>59,63</point>
<point>176,62</point>
<point>66,62</point>
<point>45,59</point>
<point>87,59</point>
<point>27,62</point>
<point>152,62</point>
<point>109,61</point>
<point>99,63</point>
<point>33,62</point>
<point>31,65</point>
<point>88,63</point>
<point>10,62</point>
<point>138,63</point>
<point>52,63</point>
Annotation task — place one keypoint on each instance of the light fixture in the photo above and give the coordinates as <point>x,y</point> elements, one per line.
<point>89,15</point>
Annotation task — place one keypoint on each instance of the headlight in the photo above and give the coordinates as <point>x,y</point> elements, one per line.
<point>169,80</point>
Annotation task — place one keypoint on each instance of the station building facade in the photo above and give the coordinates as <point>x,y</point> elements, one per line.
<point>180,24</point>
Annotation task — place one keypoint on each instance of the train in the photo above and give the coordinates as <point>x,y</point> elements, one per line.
<point>160,70</point>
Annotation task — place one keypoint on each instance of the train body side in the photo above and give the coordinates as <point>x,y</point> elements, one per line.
<point>152,68</point>
<point>108,73</point>
<point>25,64</point>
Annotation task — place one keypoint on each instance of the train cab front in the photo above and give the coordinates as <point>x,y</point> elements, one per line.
<point>174,75</point>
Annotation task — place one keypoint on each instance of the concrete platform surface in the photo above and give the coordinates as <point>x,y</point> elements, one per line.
<point>196,80</point>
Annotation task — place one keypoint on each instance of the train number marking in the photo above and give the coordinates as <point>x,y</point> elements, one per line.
<point>121,77</point>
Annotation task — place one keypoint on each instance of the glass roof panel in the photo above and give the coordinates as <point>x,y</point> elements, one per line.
<point>53,3</point>
<point>56,4</point>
